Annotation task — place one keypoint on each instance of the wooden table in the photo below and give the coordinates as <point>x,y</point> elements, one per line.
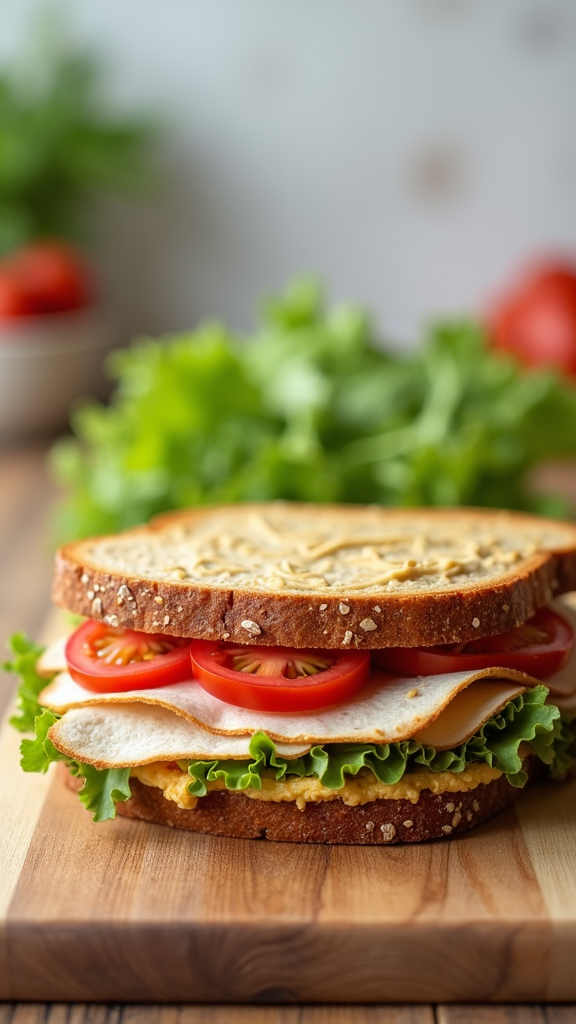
<point>26,497</point>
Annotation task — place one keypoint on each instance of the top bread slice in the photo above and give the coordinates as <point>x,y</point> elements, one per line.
<point>320,575</point>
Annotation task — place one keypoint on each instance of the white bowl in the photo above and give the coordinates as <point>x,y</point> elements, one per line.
<point>46,362</point>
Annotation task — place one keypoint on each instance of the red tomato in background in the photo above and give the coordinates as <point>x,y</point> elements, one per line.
<point>44,277</point>
<point>537,321</point>
<point>13,302</point>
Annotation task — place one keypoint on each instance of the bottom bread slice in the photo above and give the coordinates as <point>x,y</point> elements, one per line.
<point>227,813</point>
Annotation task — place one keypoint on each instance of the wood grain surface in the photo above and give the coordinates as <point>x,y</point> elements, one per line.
<point>128,911</point>
<point>90,1014</point>
<point>125,911</point>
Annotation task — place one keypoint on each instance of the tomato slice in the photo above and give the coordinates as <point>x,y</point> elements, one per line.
<point>108,660</point>
<point>539,647</point>
<point>278,678</point>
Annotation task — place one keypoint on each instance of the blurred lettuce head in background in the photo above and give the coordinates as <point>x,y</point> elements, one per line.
<point>310,408</point>
<point>60,145</point>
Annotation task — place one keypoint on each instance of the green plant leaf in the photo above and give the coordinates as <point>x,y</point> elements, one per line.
<point>310,408</point>
<point>25,657</point>
<point>102,788</point>
<point>60,147</point>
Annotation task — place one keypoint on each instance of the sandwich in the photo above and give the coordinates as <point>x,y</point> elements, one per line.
<point>311,673</point>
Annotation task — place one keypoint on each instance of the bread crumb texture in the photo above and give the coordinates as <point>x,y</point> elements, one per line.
<point>291,549</point>
<point>362,789</point>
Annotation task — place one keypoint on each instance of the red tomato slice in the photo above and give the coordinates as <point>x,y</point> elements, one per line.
<point>108,660</point>
<point>539,647</point>
<point>278,678</point>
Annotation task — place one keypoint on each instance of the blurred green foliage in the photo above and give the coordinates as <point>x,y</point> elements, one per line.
<point>59,146</point>
<point>309,408</point>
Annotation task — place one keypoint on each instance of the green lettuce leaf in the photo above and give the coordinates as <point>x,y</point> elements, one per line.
<point>563,747</point>
<point>243,774</point>
<point>102,789</point>
<point>38,754</point>
<point>26,654</point>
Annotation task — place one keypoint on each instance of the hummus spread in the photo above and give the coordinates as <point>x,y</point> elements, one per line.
<point>361,789</point>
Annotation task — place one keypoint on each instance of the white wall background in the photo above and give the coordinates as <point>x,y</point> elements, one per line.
<point>413,153</point>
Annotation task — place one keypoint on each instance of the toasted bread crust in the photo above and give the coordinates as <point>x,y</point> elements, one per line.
<point>447,614</point>
<point>379,823</point>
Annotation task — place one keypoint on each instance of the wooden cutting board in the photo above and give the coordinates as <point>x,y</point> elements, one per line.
<point>126,911</point>
<point>129,911</point>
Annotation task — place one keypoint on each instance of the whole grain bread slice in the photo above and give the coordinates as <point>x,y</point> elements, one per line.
<point>320,575</point>
<point>379,822</point>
